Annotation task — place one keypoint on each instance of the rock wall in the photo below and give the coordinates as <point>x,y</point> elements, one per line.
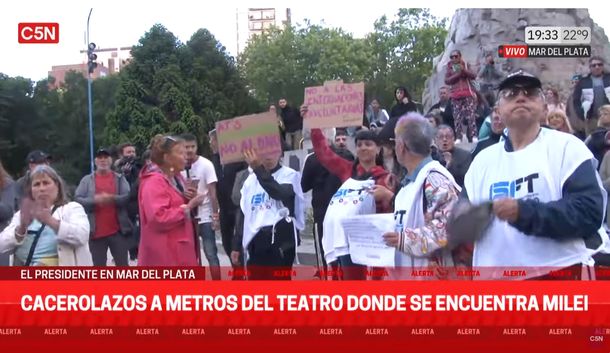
<point>476,32</point>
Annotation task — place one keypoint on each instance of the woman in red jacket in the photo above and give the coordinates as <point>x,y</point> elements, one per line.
<point>463,96</point>
<point>167,235</point>
<point>365,173</point>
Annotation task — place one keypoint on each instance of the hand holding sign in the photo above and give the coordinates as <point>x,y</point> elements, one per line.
<point>252,158</point>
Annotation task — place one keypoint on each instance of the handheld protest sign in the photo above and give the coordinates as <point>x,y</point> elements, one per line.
<point>257,131</point>
<point>336,104</point>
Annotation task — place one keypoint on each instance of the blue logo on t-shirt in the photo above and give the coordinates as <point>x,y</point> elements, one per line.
<point>503,189</point>
<point>345,192</point>
<point>258,199</point>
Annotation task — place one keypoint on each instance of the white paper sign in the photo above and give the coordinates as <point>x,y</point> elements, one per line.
<point>365,238</point>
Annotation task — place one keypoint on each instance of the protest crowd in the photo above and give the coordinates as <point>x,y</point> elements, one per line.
<point>492,176</point>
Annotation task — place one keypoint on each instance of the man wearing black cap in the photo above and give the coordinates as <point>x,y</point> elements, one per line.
<point>548,200</point>
<point>33,159</point>
<point>105,195</point>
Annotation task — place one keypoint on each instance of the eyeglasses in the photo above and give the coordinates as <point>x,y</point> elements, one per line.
<point>596,65</point>
<point>444,136</point>
<point>454,56</point>
<point>513,92</point>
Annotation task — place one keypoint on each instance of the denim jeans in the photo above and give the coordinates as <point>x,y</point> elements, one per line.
<point>208,238</point>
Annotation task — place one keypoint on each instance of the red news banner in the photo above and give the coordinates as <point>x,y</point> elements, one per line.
<point>168,304</point>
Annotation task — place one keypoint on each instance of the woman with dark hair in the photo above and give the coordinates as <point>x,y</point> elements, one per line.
<point>167,232</point>
<point>367,188</point>
<point>463,95</point>
<point>404,105</point>
<point>48,230</point>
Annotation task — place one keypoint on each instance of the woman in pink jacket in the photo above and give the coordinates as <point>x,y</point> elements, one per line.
<point>167,231</point>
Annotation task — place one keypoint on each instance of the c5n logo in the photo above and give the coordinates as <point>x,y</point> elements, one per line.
<point>510,188</point>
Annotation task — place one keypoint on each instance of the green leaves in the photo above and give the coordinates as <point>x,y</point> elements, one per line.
<point>281,63</point>
<point>171,87</point>
<point>404,49</point>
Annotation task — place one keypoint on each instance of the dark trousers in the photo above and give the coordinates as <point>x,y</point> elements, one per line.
<point>118,248</point>
<point>320,261</point>
<point>350,270</point>
<point>272,261</point>
<point>227,229</point>
<point>134,241</point>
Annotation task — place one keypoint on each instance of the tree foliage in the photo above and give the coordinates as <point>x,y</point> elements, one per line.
<point>33,116</point>
<point>171,87</point>
<point>404,49</point>
<point>282,62</point>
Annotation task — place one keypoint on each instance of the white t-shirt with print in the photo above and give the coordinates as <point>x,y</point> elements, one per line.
<point>203,169</point>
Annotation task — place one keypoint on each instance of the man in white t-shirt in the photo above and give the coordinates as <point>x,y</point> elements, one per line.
<point>547,198</point>
<point>200,171</point>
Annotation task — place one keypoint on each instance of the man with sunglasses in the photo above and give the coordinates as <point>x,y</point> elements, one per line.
<point>592,92</point>
<point>543,188</point>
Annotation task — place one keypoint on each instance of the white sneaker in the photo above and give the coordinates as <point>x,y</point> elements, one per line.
<point>475,140</point>
<point>458,141</point>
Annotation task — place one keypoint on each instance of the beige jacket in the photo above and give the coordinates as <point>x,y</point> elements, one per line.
<point>604,173</point>
<point>72,237</point>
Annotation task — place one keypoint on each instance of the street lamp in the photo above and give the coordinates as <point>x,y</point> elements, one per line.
<point>91,64</point>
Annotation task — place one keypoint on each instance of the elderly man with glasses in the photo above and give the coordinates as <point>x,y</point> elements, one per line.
<point>591,93</point>
<point>542,187</point>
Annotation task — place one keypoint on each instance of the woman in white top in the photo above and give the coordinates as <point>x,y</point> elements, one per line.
<point>48,230</point>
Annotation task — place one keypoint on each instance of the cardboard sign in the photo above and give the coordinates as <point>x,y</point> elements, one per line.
<point>259,132</point>
<point>336,104</point>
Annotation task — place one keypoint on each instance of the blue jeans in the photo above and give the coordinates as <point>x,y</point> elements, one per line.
<point>208,238</point>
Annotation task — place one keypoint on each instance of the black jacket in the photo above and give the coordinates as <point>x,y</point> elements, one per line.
<point>226,178</point>
<point>447,114</point>
<point>586,85</point>
<point>597,144</point>
<point>484,143</point>
<point>460,162</point>
<point>130,169</point>
<point>401,109</point>
<point>293,121</point>
<point>321,182</point>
